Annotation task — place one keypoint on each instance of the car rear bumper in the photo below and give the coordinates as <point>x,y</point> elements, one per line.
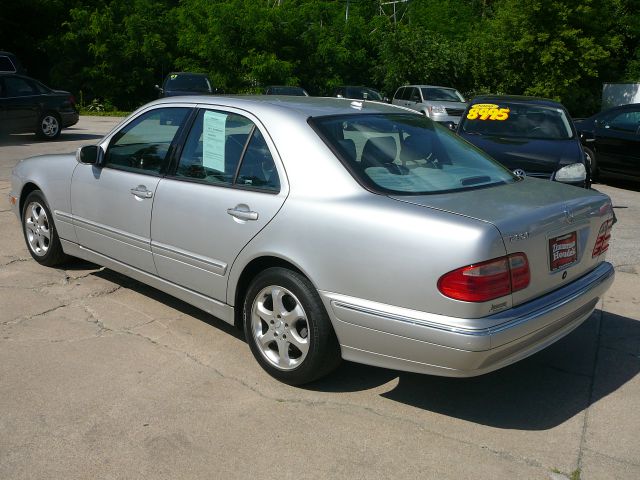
<point>403,339</point>
<point>69,118</point>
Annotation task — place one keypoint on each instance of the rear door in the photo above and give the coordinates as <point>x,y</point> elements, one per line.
<point>227,185</point>
<point>21,104</point>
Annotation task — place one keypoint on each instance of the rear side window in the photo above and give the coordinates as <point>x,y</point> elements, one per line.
<point>408,154</point>
<point>18,87</point>
<point>6,65</point>
<point>227,149</point>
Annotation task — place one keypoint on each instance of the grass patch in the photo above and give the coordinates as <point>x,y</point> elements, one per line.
<point>93,113</point>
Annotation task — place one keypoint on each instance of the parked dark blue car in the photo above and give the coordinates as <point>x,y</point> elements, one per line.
<point>530,136</point>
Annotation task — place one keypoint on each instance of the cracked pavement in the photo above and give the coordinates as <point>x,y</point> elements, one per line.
<point>104,377</point>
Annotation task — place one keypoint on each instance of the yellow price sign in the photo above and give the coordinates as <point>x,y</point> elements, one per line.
<point>488,111</point>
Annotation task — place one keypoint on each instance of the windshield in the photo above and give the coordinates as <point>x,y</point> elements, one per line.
<point>522,120</point>
<point>188,83</point>
<point>408,154</point>
<point>440,94</point>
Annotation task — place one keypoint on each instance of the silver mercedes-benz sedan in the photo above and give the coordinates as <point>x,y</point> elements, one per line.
<point>328,229</point>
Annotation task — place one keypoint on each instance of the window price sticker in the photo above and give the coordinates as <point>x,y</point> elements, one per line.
<point>487,111</point>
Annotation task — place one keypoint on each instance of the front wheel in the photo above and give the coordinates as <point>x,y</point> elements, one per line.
<point>49,126</point>
<point>591,160</point>
<point>287,327</point>
<point>39,231</point>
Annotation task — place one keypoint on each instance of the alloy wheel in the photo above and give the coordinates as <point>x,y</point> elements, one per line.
<point>280,327</point>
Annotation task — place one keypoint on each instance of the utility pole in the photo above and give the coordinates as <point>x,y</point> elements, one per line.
<point>395,6</point>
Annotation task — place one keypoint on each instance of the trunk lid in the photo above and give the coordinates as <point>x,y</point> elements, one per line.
<point>537,217</point>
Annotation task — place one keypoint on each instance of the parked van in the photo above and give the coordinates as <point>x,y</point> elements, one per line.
<point>442,104</point>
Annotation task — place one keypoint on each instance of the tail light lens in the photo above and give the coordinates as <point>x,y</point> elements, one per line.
<point>602,242</point>
<point>485,281</point>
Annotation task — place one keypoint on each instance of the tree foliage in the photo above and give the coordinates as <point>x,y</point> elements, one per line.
<point>116,50</point>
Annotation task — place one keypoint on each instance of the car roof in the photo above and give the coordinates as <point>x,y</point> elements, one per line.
<point>302,107</point>
<point>195,74</point>
<point>430,86</point>
<point>517,99</point>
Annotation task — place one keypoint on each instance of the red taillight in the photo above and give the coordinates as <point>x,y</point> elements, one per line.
<point>602,242</point>
<point>72,99</point>
<point>485,281</point>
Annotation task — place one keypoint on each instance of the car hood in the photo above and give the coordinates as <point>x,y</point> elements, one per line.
<point>461,105</point>
<point>529,214</point>
<point>535,156</point>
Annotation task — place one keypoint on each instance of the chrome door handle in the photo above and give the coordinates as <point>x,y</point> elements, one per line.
<point>141,191</point>
<point>242,213</point>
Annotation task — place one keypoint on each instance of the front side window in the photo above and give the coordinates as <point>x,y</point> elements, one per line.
<point>625,121</point>
<point>227,149</point>
<point>142,145</point>
<point>408,154</point>
<point>520,120</point>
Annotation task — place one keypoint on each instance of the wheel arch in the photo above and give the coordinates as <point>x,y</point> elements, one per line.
<point>27,188</point>
<point>249,272</point>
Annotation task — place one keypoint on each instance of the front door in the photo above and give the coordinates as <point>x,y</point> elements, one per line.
<point>618,142</point>
<point>225,189</point>
<point>112,205</point>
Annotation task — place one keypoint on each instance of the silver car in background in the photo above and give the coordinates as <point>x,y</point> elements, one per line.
<point>327,229</point>
<point>441,104</point>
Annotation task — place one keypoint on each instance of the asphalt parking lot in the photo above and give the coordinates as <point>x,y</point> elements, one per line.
<point>103,377</point>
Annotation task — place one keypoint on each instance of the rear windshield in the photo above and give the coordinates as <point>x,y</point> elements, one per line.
<point>188,83</point>
<point>437,94</point>
<point>358,93</point>
<point>510,119</point>
<point>405,154</point>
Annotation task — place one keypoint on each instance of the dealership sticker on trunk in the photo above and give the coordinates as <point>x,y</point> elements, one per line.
<point>563,251</point>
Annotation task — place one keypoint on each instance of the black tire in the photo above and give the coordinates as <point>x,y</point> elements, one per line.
<point>39,231</point>
<point>49,126</point>
<point>593,165</point>
<point>302,316</point>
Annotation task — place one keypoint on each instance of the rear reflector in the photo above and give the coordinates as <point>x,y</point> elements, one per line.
<point>602,242</point>
<point>485,281</point>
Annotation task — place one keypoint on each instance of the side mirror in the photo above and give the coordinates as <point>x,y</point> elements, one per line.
<point>158,88</point>
<point>450,125</point>
<point>386,100</point>
<point>91,155</point>
<point>586,137</point>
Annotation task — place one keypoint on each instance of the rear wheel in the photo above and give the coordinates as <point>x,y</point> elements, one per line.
<point>49,126</point>
<point>40,232</point>
<point>287,327</point>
